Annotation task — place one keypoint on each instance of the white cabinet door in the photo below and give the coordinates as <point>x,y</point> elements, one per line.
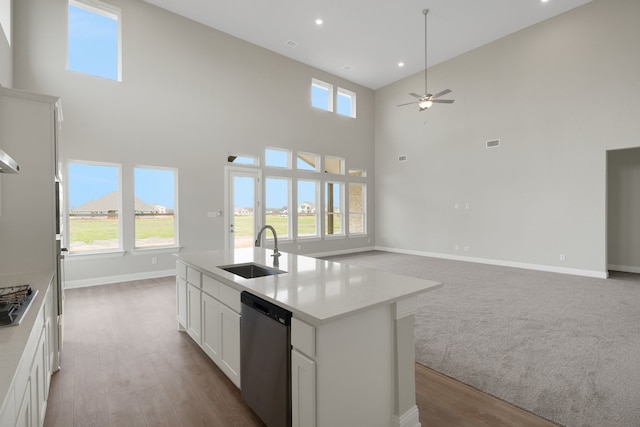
<point>38,380</point>
<point>181,302</point>
<point>24,413</point>
<point>194,318</point>
<point>211,327</point>
<point>230,343</point>
<point>303,390</point>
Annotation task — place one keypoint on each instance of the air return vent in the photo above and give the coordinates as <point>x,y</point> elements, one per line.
<point>291,43</point>
<point>402,158</point>
<point>493,143</point>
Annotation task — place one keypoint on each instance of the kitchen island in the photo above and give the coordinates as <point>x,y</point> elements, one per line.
<point>351,331</point>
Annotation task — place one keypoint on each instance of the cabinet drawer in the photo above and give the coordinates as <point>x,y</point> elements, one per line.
<point>211,286</point>
<point>230,297</point>
<point>194,277</point>
<point>181,270</point>
<point>303,337</point>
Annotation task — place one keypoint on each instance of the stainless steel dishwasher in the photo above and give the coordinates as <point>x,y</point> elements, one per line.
<point>265,359</point>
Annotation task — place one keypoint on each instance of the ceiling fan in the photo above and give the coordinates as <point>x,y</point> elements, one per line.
<point>427,100</point>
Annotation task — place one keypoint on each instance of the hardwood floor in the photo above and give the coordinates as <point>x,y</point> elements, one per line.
<point>125,364</point>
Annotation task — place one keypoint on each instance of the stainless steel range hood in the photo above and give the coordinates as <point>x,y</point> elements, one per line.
<point>7,164</point>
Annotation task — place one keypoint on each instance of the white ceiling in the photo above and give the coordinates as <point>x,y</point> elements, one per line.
<point>371,36</point>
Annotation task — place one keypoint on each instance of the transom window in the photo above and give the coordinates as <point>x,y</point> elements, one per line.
<point>321,95</point>
<point>277,158</point>
<point>94,42</point>
<point>346,103</point>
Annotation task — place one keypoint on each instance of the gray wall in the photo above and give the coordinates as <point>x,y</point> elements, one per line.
<point>6,50</point>
<point>557,95</point>
<point>623,214</point>
<point>189,96</point>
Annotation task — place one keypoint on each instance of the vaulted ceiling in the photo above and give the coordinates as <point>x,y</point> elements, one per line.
<point>364,41</point>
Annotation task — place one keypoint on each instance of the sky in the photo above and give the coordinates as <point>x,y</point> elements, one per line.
<point>90,182</point>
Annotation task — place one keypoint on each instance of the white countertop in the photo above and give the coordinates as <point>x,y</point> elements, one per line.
<point>13,339</point>
<point>312,289</point>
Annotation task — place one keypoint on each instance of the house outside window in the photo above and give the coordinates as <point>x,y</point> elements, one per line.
<point>278,205</point>
<point>308,205</point>
<point>94,207</point>
<point>357,206</point>
<point>333,202</point>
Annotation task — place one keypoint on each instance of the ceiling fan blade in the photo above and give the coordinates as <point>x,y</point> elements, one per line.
<point>439,94</point>
<point>408,103</point>
<point>415,95</point>
<point>443,101</point>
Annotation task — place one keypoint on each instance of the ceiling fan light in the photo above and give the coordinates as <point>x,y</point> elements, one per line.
<point>425,104</point>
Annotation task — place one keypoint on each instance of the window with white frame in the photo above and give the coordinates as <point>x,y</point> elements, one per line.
<point>277,158</point>
<point>357,172</point>
<point>308,208</point>
<point>94,207</point>
<point>155,207</point>
<point>277,205</point>
<point>308,162</point>
<point>321,95</point>
<point>357,208</point>
<point>94,39</point>
<point>333,201</point>
<point>241,159</point>
<point>346,102</point>
<point>334,165</point>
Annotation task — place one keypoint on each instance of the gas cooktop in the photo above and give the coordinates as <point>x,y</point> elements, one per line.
<point>14,304</point>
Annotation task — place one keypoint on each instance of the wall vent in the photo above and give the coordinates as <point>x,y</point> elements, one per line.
<point>402,158</point>
<point>291,43</point>
<point>493,143</point>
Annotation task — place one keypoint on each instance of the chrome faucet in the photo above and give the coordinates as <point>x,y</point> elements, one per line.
<point>276,253</point>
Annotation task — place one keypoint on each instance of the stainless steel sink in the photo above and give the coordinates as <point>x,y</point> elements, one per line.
<point>251,270</point>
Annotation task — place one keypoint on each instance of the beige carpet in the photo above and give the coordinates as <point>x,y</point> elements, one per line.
<point>564,347</point>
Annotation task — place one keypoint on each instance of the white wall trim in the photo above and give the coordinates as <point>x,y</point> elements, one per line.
<point>539,267</point>
<point>624,268</point>
<point>340,252</point>
<point>95,281</point>
<point>408,419</point>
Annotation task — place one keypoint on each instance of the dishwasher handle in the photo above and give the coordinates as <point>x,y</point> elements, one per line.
<point>267,308</point>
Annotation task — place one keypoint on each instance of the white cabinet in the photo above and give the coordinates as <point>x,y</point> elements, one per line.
<point>211,327</point>
<point>210,312</point>
<point>181,302</point>
<point>194,315</point>
<point>303,390</point>
<point>38,380</point>
<point>230,343</point>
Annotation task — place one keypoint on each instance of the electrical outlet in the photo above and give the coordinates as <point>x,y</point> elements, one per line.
<point>562,257</point>
<point>456,206</point>
<point>467,248</point>
<point>154,260</point>
<point>456,247</point>
<point>467,206</point>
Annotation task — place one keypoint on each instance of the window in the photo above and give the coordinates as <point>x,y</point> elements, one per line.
<point>321,95</point>
<point>240,159</point>
<point>94,39</point>
<point>277,158</point>
<point>94,207</point>
<point>357,172</point>
<point>333,208</point>
<point>278,205</point>
<point>308,162</point>
<point>308,201</point>
<point>346,103</point>
<point>357,207</point>
<point>154,207</point>
<point>334,165</point>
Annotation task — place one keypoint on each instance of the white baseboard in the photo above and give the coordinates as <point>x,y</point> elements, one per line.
<point>83,283</point>
<point>340,252</point>
<point>408,419</point>
<point>539,267</point>
<point>624,268</point>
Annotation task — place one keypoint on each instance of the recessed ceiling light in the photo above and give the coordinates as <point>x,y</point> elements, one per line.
<point>400,64</point>
<point>318,21</point>
<point>544,1</point>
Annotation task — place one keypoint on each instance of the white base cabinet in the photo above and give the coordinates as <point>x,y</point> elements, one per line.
<point>211,316</point>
